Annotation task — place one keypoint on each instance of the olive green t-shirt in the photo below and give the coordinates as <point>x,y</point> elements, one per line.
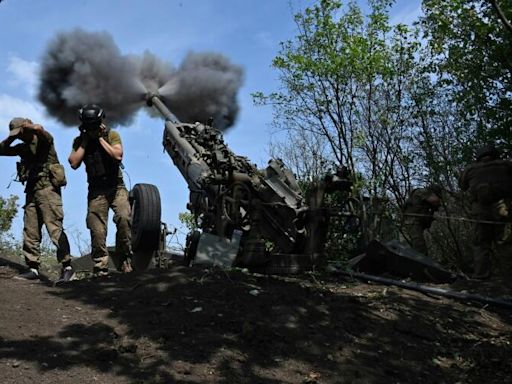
<point>113,138</point>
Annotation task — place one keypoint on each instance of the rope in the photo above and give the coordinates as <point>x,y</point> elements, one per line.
<point>457,218</point>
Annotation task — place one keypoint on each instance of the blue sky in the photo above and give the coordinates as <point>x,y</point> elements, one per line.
<point>247,32</point>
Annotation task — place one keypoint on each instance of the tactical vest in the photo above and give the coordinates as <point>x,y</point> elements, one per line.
<point>33,168</point>
<point>102,170</point>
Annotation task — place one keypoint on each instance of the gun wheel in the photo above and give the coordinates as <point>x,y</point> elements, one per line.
<point>146,223</point>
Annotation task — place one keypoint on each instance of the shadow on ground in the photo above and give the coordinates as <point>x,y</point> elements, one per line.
<point>188,325</point>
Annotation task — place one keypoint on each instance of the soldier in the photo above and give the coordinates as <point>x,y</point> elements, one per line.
<point>488,181</point>
<point>101,150</point>
<point>40,170</point>
<point>418,213</point>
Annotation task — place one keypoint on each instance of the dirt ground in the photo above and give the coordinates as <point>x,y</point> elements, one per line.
<point>193,325</point>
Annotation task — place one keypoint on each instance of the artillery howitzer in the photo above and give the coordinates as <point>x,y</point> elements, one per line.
<point>258,219</point>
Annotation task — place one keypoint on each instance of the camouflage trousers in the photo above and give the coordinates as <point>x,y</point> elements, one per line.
<point>484,246</point>
<point>99,203</point>
<point>487,237</point>
<point>44,206</point>
<point>414,230</point>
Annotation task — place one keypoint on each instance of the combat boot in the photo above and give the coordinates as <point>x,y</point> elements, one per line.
<point>67,273</point>
<point>99,272</point>
<point>31,274</point>
<point>126,266</point>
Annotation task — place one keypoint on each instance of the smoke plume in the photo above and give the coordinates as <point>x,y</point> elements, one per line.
<point>204,86</point>
<point>82,67</point>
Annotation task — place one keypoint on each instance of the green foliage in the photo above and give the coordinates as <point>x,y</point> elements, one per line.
<point>472,60</point>
<point>349,83</point>
<point>345,238</point>
<point>399,110</point>
<point>8,210</point>
<point>188,220</point>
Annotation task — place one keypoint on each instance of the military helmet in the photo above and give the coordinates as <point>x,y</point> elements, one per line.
<point>436,188</point>
<point>91,114</point>
<point>487,150</point>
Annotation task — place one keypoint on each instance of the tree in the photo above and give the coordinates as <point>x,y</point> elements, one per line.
<point>472,60</point>
<point>346,99</point>
<point>501,14</point>
<point>466,65</point>
<point>8,210</point>
<point>400,111</point>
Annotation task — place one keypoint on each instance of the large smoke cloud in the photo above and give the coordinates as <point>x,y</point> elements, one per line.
<point>204,86</point>
<point>82,67</point>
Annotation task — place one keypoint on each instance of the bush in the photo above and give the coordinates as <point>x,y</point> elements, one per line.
<point>8,210</point>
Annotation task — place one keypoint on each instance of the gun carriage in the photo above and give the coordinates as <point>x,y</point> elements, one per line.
<point>246,217</point>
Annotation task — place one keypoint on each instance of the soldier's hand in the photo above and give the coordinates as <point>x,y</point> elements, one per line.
<point>26,126</point>
<point>103,131</point>
<point>92,134</point>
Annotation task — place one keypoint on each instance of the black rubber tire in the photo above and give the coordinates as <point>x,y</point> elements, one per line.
<point>146,217</point>
<point>142,260</point>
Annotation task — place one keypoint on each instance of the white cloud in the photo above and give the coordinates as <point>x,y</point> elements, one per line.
<point>22,74</point>
<point>14,107</point>
<point>25,73</point>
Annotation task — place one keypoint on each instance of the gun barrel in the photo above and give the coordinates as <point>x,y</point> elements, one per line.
<point>153,100</point>
<point>184,155</point>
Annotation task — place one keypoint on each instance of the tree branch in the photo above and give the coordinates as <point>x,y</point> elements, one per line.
<point>501,15</point>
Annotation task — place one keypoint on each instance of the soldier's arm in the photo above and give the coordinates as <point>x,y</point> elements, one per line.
<point>6,149</point>
<point>77,153</point>
<point>115,147</point>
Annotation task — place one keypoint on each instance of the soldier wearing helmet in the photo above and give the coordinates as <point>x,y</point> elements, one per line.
<point>101,150</point>
<point>43,176</point>
<point>488,181</point>
<point>419,209</point>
